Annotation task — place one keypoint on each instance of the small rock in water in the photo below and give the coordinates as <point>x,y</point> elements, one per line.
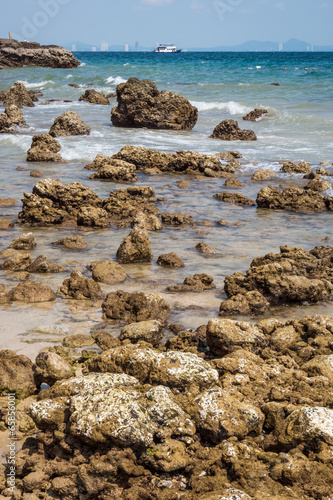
<point>170,260</point>
<point>204,248</point>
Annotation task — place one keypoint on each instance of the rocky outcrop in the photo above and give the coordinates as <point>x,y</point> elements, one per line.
<point>18,95</point>
<point>292,276</point>
<point>290,167</point>
<point>140,105</point>
<point>187,162</point>
<point>52,202</point>
<point>107,271</point>
<point>124,205</point>
<point>25,241</point>
<point>135,247</point>
<point>176,219</point>
<point>228,130</point>
<point>69,123</point>
<point>294,199</point>
<point>75,242</point>
<point>14,54</point>
<point>148,221</point>
<point>109,169</point>
<point>170,260</point>
<point>43,265</point>
<point>44,148</point>
<point>135,307</point>
<point>198,283</point>
<point>16,375</point>
<point>203,247</point>
<point>237,198</point>
<point>94,97</point>
<point>80,288</point>
<point>147,331</point>
<point>93,217</point>
<point>31,292</point>
<point>255,115</point>
<point>317,184</point>
<point>263,174</point>
<point>50,368</point>
<point>233,183</point>
<point>11,117</point>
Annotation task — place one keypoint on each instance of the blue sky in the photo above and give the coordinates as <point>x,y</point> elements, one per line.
<point>188,23</point>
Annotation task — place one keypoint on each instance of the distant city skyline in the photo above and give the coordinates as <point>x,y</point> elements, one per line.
<point>187,23</point>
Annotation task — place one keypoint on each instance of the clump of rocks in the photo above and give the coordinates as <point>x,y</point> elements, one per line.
<point>11,117</point>
<point>255,115</point>
<point>294,199</point>
<point>94,97</point>
<point>228,130</point>
<point>44,148</point>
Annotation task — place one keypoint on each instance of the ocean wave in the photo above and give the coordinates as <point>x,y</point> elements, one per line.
<point>81,65</point>
<point>33,85</point>
<point>69,76</point>
<point>116,80</point>
<point>231,107</point>
<point>21,141</point>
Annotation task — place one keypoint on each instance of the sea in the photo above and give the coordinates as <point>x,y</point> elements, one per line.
<point>298,127</point>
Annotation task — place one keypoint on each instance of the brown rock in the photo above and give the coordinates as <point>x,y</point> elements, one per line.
<point>43,265</point>
<point>135,307</point>
<point>170,260</point>
<point>7,202</point>
<point>80,288</point>
<point>114,170</point>
<point>237,198</point>
<point>93,217</point>
<point>135,247</point>
<point>69,123</point>
<point>318,185</point>
<point>124,204</point>
<point>148,221</point>
<point>94,97</point>
<point>255,115</point>
<point>18,262</point>
<point>44,148</point>
<point>75,242</point>
<point>19,96</point>
<point>233,183</point>
<point>77,340</point>
<point>293,199</point>
<point>199,283</point>
<point>6,224</point>
<point>25,241</point>
<point>148,331</point>
<point>16,375</point>
<point>50,368</point>
<point>296,168</point>
<point>12,116</point>
<point>203,247</point>
<point>32,292</point>
<point>107,271</point>
<point>248,303</point>
<point>176,219</point>
<point>140,105</point>
<point>36,173</point>
<point>263,174</point>
<point>228,130</point>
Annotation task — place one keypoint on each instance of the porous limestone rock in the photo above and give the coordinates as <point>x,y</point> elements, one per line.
<point>44,148</point>
<point>94,97</point>
<point>148,331</point>
<point>228,130</point>
<point>16,375</point>
<point>69,123</point>
<point>80,288</point>
<point>135,247</point>
<point>107,271</point>
<point>135,307</point>
<point>31,292</point>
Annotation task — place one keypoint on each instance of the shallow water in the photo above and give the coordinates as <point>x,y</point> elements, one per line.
<point>298,127</point>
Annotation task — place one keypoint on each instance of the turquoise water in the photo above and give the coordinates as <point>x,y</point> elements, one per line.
<point>298,127</point>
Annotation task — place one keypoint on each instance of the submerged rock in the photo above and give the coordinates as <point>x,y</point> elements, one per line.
<point>94,97</point>
<point>203,247</point>
<point>16,375</point>
<point>75,242</point>
<point>228,130</point>
<point>31,292</point>
<point>148,221</point>
<point>17,262</point>
<point>296,168</point>
<point>43,265</point>
<point>199,283</point>
<point>176,219</point>
<point>135,307</point>
<point>25,241</point>
<point>294,199</point>
<point>255,115</point>
<point>107,271</point>
<point>44,148</point>
<point>170,260</point>
<point>238,198</point>
<point>135,247</point>
<point>80,288</point>
<point>140,105</point>
<point>69,123</point>
<point>6,224</point>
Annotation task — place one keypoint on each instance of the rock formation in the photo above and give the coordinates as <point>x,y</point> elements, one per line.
<point>44,148</point>
<point>228,130</point>
<point>69,123</point>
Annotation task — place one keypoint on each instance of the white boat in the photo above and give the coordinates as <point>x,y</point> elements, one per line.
<point>166,48</point>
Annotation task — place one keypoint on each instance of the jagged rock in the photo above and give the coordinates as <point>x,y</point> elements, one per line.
<point>14,54</point>
<point>43,265</point>
<point>255,115</point>
<point>172,369</point>
<point>296,168</point>
<point>6,224</point>
<point>105,341</point>
<point>31,292</point>
<point>16,375</point>
<point>308,425</point>
<point>248,303</point>
<point>114,170</point>
<point>228,130</point>
<point>221,416</point>
<point>238,198</point>
<point>148,221</point>
<point>318,185</point>
<point>52,202</point>
<point>170,260</point>
<point>320,365</point>
<point>34,94</point>
<point>148,331</point>
<point>225,336</point>
<point>293,199</point>
<point>80,288</point>
<point>176,219</point>
<point>93,217</point>
<point>203,247</point>
<point>135,307</point>
<point>292,276</point>
<point>199,283</point>
<point>135,247</point>
<point>94,97</point>
<point>77,340</point>
<point>182,161</point>
<point>107,271</point>
<point>44,148</point>
<point>263,174</point>
<point>75,242</point>
<point>69,123</point>
<point>233,183</point>
<point>18,262</point>
<point>18,95</point>
<point>12,116</point>
<point>124,204</point>
<point>25,241</point>
<point>140,105</point>
<point>50,368</point>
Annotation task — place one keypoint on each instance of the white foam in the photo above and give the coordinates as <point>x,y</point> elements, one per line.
<point>116,80</point>
<point>21,141</point>
<point>126,64</point>
<point>69,76</point>
<point>36,84</point>
<point>81,65</point>
<point>231,107</point>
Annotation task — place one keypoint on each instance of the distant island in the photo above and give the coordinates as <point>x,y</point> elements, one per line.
<point>292,45</point>
<point>14,54</point>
